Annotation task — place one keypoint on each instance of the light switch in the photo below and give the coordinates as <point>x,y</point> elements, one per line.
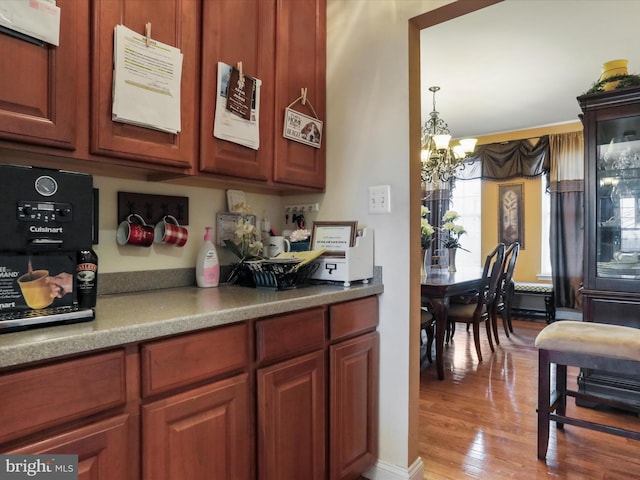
<point>380,199</point>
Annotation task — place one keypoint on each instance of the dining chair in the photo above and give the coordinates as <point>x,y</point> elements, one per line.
<point>428,324</point>
<point>504,296</point>
<point>474,314</point>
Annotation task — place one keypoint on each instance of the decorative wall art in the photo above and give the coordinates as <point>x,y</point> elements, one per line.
<point>300,127</point>
<point>226,224</point>
<point>511,214</point>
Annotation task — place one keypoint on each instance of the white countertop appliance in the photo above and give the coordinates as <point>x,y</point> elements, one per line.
<point>350,264</point>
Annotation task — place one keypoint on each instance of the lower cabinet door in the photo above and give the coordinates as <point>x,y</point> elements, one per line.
<point>202,433</point>
<point>353,393</point>
<point>291,419</point>
<point>105,449</point>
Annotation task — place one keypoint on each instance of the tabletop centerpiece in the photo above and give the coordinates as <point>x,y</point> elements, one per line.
<point>248,247</point>
<point>452,233</point>
<point>299,239</point>
<point>426,239</point>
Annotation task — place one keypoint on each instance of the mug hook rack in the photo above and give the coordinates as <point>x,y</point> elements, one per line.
<point>153,208</point>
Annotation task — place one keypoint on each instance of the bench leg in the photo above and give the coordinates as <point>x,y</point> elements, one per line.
<point>550,308</point>
<point>544,405</point>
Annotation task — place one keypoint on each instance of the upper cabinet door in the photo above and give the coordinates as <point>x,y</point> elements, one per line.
<point>38,86</point>
<point>300,63</point>
<point>175,23</point>
<point>237,31</point>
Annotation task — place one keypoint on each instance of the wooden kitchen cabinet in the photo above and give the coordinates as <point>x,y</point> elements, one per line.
<point>237,31</point>
<point>57,394</point>
<point>291,418</point>
<point>58,100</point>
<point>172,363</point>
<point>288,396</point>
<point>283,43</point>
<point>76,406</point>
<point>612,226</point>
<point>353,403</point>
<point>291,386</point>
<point>292,411</point>
<point>104,448</point>
<point>174,22</point>
<point>38,87</point>
<point>353,388</point>
<point>300,63</point>
<point>201,433</point>
<point>202,430</point>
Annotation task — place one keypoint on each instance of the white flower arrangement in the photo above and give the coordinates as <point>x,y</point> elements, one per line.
<point>247,244</point>
<point>426,229</point>
<point>452,231</point>
<point>300,235</point>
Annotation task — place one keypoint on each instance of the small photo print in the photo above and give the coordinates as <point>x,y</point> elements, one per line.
<point>302,128</point>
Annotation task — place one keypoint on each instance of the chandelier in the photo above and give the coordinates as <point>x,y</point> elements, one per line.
<point>440,160</point>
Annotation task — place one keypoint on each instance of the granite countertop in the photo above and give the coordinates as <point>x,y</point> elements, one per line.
<point>134,317</point>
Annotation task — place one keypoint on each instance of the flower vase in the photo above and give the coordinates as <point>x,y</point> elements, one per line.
<point>452,259</point>
<point>426,262</point>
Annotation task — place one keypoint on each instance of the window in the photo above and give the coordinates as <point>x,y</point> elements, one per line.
<point>630,240</point>
<point>466,199</point>
<point>545,230</point>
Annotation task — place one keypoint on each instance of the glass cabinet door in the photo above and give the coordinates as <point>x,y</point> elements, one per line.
<point>618,198</point>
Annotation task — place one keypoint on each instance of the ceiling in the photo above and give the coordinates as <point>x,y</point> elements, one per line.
<point>521,64</point>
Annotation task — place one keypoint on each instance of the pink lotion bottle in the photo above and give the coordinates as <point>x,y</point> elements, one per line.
<point>207,266</point>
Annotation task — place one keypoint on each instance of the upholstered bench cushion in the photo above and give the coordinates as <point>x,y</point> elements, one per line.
<point>533,287</point>
<point>591,338</point>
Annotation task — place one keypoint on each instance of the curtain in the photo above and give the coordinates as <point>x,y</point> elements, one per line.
<point>567,217</point>
<point>437,201</point>
<point>501,161</point>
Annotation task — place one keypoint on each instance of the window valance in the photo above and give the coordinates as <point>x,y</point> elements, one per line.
<point>501,161</point>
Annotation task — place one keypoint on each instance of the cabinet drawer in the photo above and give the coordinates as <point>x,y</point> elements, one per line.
<point>288,335</point>
<point>353,317</point>
<point>42,397</point>
<point>175,362</point>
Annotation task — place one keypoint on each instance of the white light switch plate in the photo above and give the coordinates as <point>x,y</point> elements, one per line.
<point>380,199</point>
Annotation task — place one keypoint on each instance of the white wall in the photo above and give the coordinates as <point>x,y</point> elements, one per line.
<point>204,203</point>
<point>367,135</point>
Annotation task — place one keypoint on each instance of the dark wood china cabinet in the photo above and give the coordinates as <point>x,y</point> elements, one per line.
<point>612,224</point>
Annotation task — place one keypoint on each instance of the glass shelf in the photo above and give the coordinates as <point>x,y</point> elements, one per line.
<point>618,198</point>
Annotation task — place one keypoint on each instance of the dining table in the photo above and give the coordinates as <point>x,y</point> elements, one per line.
<point>436,289</point>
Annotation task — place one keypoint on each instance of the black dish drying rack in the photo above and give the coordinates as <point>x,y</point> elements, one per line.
<point>272,274</point>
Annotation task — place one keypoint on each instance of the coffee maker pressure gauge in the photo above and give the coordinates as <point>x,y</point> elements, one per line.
<point>46,185</point>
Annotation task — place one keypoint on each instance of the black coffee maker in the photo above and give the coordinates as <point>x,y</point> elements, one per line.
<point>49,222</point>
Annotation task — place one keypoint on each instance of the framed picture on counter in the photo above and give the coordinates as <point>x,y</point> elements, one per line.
<point>333,236</point>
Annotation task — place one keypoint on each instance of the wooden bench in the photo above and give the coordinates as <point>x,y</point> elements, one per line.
<point>599,346</point>
<point>544,290</point>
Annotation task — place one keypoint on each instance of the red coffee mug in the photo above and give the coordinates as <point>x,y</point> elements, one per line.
<point>169,231</point>
<point>134,231</point>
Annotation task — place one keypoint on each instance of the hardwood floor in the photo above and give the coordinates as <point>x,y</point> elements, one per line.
<point>480,421</point>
